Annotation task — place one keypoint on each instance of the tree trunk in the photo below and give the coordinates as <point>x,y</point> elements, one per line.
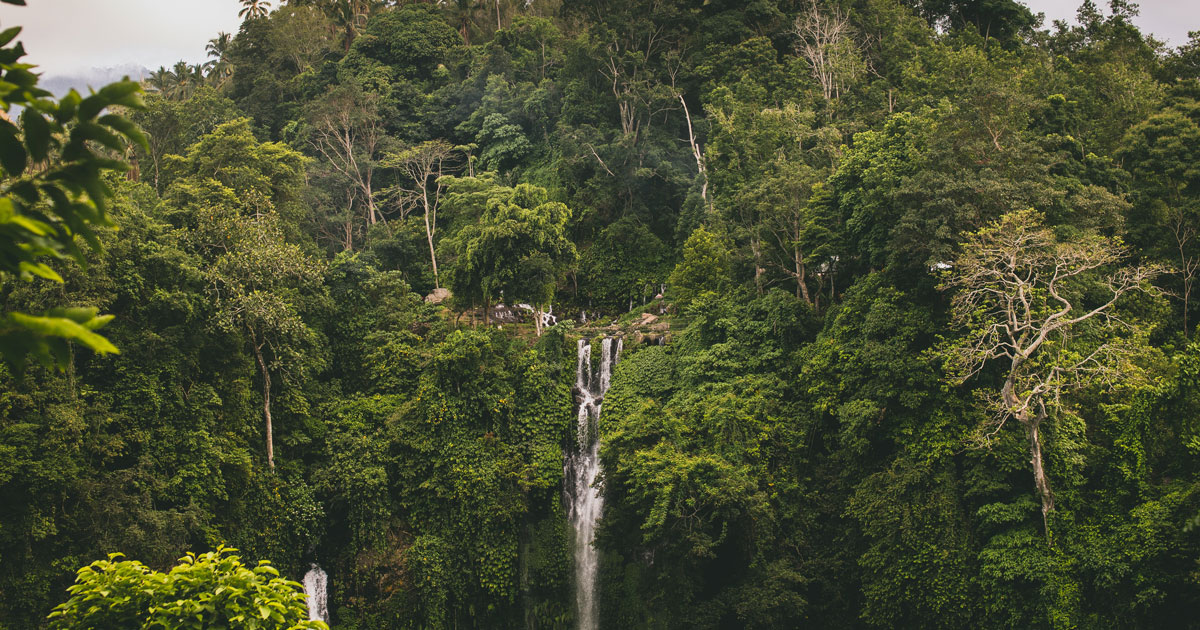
<point>1187,290</point>
<point>429,236</point>
<point>1040,481</point>
<point>801,273</point>
<point>266,374</point>
<point>700,168</point>
<point>1032,424</point>
<point>372,213</point>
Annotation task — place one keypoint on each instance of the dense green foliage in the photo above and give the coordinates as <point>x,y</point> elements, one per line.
<point>929,276</point>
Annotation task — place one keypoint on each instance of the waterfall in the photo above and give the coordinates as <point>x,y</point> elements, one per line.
<point>579,470</point>
<point>315,582</point>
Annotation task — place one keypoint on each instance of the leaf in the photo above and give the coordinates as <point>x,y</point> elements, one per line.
<point>127,128</point>
<point>35,227</point>
<point>37,133</point>
<point>123,92</point>
<point>9,34</point>
<point>90,107</point>
<point>63,328</point>
<point>67,106</point>
<point>12,154</point>
<point>40,270</point>
<point>94,132</point>
<point>77,314</point>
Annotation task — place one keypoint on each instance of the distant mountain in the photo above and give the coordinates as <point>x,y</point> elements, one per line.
<point>95,78</point>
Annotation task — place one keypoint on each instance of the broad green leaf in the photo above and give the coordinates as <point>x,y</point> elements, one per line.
<point>12,154</point>
<point>37,134</point>
<point>40,270</point>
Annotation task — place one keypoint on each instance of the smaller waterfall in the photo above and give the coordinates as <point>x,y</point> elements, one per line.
<point>315,583</point>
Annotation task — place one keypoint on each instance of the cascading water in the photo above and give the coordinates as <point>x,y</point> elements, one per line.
<point>584,502</point>
<point>315,584</point>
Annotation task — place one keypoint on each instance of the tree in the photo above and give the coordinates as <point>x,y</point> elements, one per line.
<point>219,65</point>
<point>237,199</point>
<point>1003,20</point>
<point>767,161</point>
<point>181,81</point>
<point>159,80</point>
<point>171,126</point>
<point>54,161</point>
<point>257,283</point>
<point>705,267</point>
<point>623,265</point>
<point>348,132</point>
<point>422,166</point>
<point>1163,152</point>
<point>209,590</point>
<point>1044,310</point>
<point>826,41</point>
<point>254,9</point>
<point>351,16</point>
<point>517,249</point>
<point>462,14</point>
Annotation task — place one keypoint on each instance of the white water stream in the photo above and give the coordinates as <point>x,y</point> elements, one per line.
<point>585,504</point>
<point>315,585</point>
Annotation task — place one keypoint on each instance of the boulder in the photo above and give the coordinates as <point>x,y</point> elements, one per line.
<point>438,296</point>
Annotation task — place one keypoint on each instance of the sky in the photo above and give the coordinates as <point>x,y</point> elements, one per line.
<point>66,37</point>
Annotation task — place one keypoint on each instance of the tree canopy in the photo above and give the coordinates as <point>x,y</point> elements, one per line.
<point>898,298</point>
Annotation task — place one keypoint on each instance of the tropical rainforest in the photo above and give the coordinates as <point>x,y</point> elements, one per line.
<point>905,291</point>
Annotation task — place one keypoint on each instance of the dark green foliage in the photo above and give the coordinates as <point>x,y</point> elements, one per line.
<point>624,265</point>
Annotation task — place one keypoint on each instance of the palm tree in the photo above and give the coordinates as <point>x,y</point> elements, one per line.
<point>160,80</point>
<point>462,13</point>
<point>218,47</point>
<point>219,66</point>
<point>254,9</point>
<point>184,79</point>
<point>350,16</point>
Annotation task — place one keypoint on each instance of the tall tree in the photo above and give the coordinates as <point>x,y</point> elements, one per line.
<point>422,167</point>
<point>219,65</point>
<point>1044,309</point>
<point>237,198</point>
<point>347,131</point>
<point>256,283</point>
<point>1163,152</point>
<point>826,40</point>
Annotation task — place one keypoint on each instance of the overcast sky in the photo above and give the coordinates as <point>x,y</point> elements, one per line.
<point>71,36</point>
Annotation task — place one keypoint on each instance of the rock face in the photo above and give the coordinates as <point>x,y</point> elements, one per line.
<point>438,296</point>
